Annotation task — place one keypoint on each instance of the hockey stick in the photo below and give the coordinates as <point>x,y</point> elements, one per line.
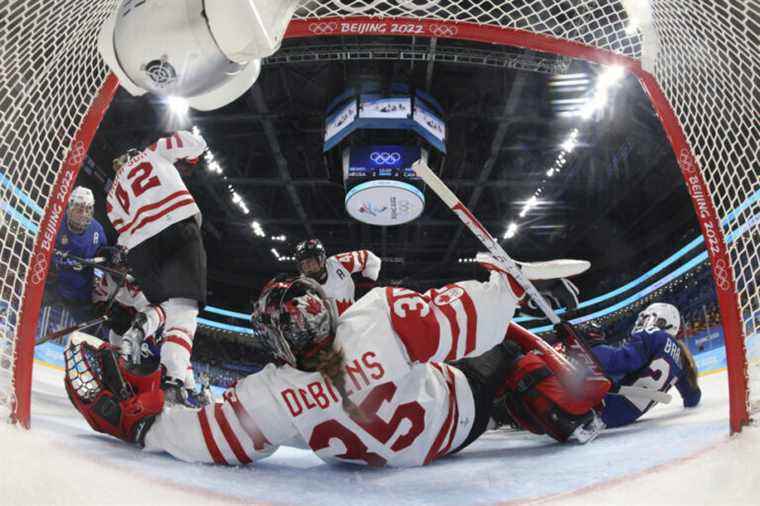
<point>90,323</point>
<point>575,343</point>
<point>643,393</point>
<point>97,263</point>
<point>73,328</point>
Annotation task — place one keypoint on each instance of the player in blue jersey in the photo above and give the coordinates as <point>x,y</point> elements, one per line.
<point>650,359</point>
<point>82,236</point>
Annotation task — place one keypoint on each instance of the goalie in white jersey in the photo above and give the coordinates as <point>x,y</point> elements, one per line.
<point>158,222</point>
<point>386,383</point>
<point>334,273</point>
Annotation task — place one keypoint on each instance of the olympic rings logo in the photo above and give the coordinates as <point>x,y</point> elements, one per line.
<point>686,161</point>
<point>443,30</point>
<point>385,158</point>
<point>77,153</point>
<point>720,274</point>
<point>323,28</point>
<point>38,270</point>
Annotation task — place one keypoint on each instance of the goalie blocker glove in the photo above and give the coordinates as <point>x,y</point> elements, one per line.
<point>559,293</point>
<point>113,399</point>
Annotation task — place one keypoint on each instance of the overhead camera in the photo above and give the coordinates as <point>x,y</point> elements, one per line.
<point>206,51</point>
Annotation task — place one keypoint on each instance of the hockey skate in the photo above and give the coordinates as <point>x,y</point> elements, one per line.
<point>589,429</point>
<point>197,399</point>
<point>131,345</point>
<point>175,394</point>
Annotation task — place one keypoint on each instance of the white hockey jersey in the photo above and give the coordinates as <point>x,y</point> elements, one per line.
<point>414,407</point>
<point>148,194</point>
<point>339,285</point>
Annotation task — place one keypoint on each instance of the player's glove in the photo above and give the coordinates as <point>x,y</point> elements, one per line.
<point>116,256</point>
<point>559,293</point>
<point>64,263</point>
<point>113,399</point>
<point>594,334</point>
<point>119,317</point>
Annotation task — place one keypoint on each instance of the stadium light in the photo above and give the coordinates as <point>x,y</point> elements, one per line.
<point>178,105</point>
<point>568,82</point>
<point>609,77</point>
<point>257,229</point>
<point>511,231</point>
<point>529,204</point>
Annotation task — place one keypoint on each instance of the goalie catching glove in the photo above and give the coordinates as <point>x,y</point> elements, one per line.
<point>113,399</point>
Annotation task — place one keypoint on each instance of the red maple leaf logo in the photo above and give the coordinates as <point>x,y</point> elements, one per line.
<point>313,306</point>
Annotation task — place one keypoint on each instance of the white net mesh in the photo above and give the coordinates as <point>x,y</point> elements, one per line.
<point>50,72</point>
<point>708,66</point>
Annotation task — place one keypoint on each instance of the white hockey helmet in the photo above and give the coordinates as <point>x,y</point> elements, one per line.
<point>207,52</point>
<point>659,316</point>
<point>80,209</point>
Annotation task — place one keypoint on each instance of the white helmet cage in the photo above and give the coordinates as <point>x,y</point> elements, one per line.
<point>660,316</point>
<point>80,209</point>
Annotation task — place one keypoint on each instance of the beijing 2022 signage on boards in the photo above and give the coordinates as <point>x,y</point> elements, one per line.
<point>381,187</point>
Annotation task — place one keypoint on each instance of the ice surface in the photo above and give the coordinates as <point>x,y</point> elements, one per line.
<point>672,456</point>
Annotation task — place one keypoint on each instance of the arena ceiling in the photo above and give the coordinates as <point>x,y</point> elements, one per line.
<point>619,201</point>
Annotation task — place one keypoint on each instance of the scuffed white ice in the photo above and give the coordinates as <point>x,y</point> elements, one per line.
<point>673,456</point>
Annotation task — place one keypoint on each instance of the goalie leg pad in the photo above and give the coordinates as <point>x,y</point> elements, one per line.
<point>540,403</point>
<point>585,387</point>
<point>111,398</point>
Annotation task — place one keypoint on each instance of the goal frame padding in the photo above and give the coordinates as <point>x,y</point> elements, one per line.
<point>44,245</point>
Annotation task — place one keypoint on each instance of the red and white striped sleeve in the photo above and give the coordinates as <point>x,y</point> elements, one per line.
<point>458,320</point>
<point>363,261</point>
<point>179,145</point>
<point>221,433</point>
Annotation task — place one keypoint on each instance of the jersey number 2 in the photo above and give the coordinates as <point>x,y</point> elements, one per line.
<point>659,371</point>
<point>141,180</point>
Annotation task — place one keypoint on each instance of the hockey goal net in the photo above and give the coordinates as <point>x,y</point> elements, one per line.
<point>699,61</point>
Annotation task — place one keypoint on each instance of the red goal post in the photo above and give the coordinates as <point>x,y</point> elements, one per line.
<point>698,60</point>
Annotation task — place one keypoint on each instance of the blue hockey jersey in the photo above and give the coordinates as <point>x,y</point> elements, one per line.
<point>650,359</point>
<point>76,285</point>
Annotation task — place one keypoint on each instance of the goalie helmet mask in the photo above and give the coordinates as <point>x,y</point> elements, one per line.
<point>294,319</point>
<point>658,316</point>
<point>80,209</point>
<point>312,260</point>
